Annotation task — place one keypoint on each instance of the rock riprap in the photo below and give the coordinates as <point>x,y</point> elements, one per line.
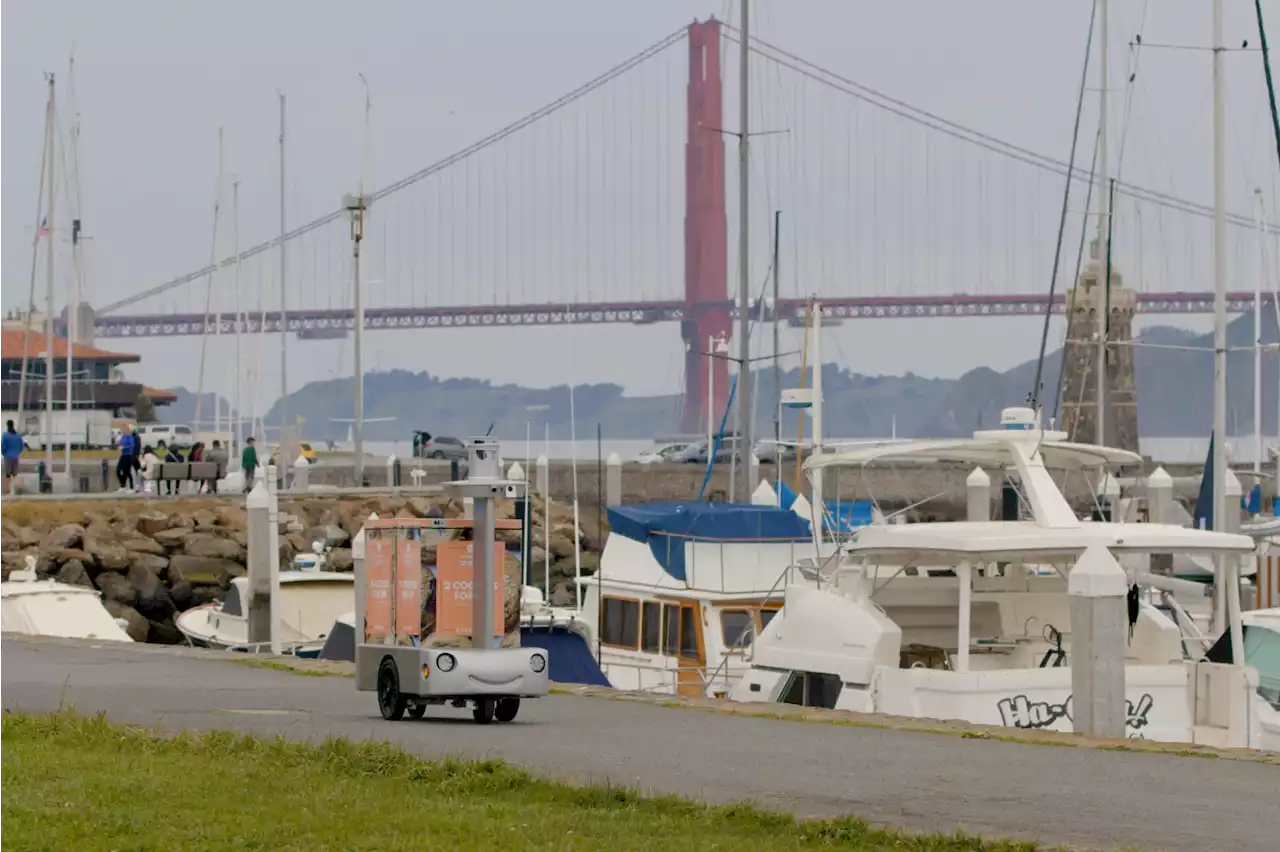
<point>151,560</point>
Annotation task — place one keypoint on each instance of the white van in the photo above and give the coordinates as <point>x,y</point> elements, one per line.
<point>151,434</point>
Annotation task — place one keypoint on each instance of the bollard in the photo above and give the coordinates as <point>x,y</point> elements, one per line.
<point>417,475</point>
<point>454,474</point>
<point>301,474</point>
<point>978,495</point>
<point>106,475</point>
<point>542,476</point>
<point>357,559</point>
<point>45,483</point>
<point>258,607</point>
<point>1160,511</point>
<point>393,472</point>
<point>1097,586</point>
<point>613,480</point>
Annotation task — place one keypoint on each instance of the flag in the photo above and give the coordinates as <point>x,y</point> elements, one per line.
<point>44,230</point>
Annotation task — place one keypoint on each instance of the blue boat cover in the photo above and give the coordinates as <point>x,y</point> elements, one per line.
<point>666,526</point>
<point>842,517</point>
<point>567,652</point>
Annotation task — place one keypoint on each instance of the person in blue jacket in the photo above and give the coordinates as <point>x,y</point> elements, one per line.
<point>11,448</point>
<point>125,464</point>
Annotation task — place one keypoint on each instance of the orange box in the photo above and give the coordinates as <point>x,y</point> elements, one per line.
<point>378,550</point>
<point>455,571</point>
<point>408,588</point>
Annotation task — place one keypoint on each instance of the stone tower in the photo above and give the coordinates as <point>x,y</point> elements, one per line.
<point>1079,361</point>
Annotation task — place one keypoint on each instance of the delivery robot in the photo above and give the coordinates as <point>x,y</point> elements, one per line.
<point>392,588</point>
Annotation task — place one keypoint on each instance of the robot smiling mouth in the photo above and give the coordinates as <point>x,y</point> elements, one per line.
<point>494,683</point>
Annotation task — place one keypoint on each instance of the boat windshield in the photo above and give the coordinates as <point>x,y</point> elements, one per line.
<point>1262,651</point>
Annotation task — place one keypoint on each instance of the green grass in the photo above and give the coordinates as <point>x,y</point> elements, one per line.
<point>73,782</point>
<point>301,670</point>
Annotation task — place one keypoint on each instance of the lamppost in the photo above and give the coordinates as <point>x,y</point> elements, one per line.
<point>356,206</point>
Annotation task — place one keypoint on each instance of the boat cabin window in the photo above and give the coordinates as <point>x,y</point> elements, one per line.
<point>738,628</point>
<point>671,630</point>
<point>766,615</point>
<point>811,689</point>
<point>688,633</point>
<point>651,628</point>
<point>680,631</point>
<point>231,605</point>
<point>621,623</point>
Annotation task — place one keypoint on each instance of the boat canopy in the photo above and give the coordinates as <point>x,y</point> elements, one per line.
<point>988,452</point>
<point>1014,540</point>
<point>664,527</point>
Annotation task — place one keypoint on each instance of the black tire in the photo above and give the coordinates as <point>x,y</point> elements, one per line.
<point>437,455</point>
<point>507,709</point>
<point>391,702</point>
<point>483,711</point>
<point>417,711</point>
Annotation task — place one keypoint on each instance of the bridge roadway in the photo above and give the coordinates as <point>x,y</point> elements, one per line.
<point>1084,797</point>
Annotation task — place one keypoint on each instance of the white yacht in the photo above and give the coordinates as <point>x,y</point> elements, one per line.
<point>971,620</point>
<point>37,607</point>
<point>310,603</point>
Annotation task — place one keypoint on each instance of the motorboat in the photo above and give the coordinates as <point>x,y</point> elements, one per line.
<point>35,607</point>
<point>971,620</point>
<point>310,603</point>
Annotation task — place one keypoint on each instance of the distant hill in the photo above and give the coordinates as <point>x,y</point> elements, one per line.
<point>1174,399</point>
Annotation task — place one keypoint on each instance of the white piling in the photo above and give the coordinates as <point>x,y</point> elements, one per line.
<point>978,495</point>
<point>1099,626</point>
<point>258,607</point>
<point>301,474</point>
<point>612,480</point>
<point>357,559</point>
<point>542,476</point>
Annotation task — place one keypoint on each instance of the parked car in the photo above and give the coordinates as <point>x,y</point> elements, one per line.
<point>697,453</point>
<point>770,452</point>
<point>427,446</point>
<point>661,454</point>
<point>172,435</point>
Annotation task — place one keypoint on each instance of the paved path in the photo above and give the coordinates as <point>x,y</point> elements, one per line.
<point>1085,797</point>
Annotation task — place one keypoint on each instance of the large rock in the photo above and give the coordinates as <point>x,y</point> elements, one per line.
<point>561,545</point>
<point>70,553</point>
<point>138,627</point>
<point>153,599</point>
<point>63,537</point>
<point>214,547</point>
<point>164,633</point>
<point>115,587</point>
<point>231,517</point>
<point>203,570</point>
<point>138,544</point>
<point>150,523</point>
<point>150,562</point>
<point>73,573</point>
<point>108,557</point>
<point>171,539</point>
<point>340,559</point>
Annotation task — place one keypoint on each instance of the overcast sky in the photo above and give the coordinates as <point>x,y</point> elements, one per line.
<point>155,80</point>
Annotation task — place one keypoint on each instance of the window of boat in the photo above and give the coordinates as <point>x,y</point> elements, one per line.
<point>621,625</point>
<point>231,604</point>
<point>651,628</point>
<point>1262,651</point>
<point>811,689</point>
<point>671,630</point>
<point>688,633</point>
<point>766,615</point>
<point>737,627</point>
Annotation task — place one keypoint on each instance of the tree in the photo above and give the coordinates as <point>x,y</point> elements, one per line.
<point>145,410</point>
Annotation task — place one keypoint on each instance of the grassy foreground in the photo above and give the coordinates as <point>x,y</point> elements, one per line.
<point>73,782</point>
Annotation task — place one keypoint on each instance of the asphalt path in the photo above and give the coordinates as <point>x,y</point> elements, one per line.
<point>924,782</point>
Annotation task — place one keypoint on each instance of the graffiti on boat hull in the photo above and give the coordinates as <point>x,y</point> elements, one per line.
<point>1020,711</point>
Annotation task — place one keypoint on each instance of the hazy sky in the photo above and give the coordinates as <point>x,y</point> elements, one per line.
<point>155,80</point>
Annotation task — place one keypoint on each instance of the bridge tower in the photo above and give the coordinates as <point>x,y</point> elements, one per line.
<point>706,294</point>
<point>1079,360</point>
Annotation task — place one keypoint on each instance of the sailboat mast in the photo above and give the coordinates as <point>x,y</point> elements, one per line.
<point>1258,447</point>
<point>745,443</point>
<point>284,305</point>
<point>74,295</point>
<point>208,298</point>
<point>777,362</point>
<point>1104,227</point>
<point>35,260</point>
<point>48,317</point>
<point>236,401</point>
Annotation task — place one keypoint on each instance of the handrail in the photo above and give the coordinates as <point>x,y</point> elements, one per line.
<point>738,645</point>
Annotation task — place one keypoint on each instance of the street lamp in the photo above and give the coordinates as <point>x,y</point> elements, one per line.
<point>356,205</point>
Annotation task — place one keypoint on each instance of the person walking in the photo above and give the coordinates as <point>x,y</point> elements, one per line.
<point>11,448</point>
<point>248,463</point>
<point>125,464</point>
